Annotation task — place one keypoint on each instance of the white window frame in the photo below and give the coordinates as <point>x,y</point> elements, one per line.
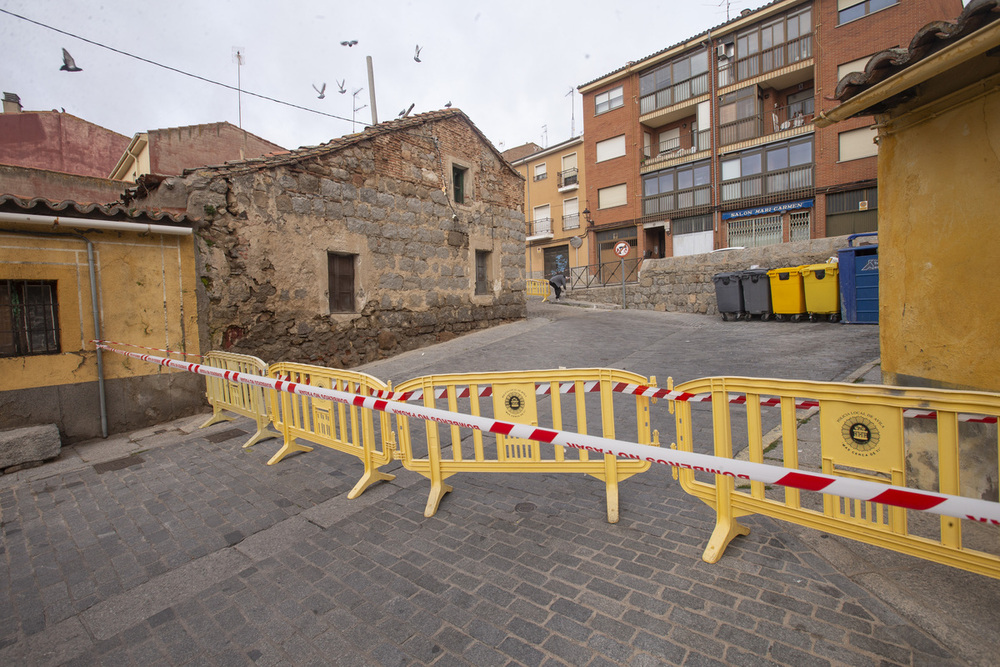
<point>852,144</point>
<point>541,171</point>
<point>612,196</point>
<point>609,100</point>
<point>611,148</point>
<point>576,201</point>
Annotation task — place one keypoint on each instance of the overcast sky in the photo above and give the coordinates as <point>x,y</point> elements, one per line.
<point>508,65</point>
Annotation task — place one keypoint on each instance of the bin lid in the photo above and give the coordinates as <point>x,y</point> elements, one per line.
<point>830,267</point>
<point>791,270</point>
<point>726,277</point>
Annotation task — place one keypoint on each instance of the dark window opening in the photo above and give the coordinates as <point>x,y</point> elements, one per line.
<point>341,270</point>
<point>458,183</point>
<point>482,272</point>
<point>29,318</point>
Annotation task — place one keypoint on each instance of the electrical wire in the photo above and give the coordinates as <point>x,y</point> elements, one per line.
<point>179,71</point>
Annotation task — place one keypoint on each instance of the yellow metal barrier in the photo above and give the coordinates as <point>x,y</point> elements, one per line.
<point>539,287</point>
<point>514,397</point>
<point>346,428</point>
<point>243,399</point>
<point>858,432</point>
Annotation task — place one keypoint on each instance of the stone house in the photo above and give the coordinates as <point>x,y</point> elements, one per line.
<point>372,244</point>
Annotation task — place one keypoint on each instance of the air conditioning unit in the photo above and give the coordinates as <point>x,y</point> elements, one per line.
<point>721,50</point>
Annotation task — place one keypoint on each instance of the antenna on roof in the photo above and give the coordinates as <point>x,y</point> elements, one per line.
<point>572,112</point>
<point>545,136</point>
<point>238,57</point>
<point>356,107</point>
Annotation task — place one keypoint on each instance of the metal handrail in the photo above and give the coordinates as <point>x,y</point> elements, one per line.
<point>604,274</point>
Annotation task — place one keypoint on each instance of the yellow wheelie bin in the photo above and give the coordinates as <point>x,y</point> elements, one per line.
<point>822,290</point>
<point>787,296</point>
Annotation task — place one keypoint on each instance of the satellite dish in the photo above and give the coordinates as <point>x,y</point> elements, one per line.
<point>576,241</point>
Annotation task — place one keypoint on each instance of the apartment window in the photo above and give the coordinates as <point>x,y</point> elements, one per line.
<point>801,103</point>
<point>770,169</point>
<point>483,271</point>
<point>616,195</point>
<point>341,277</point>
<point>608,100</point>
<point>611,148</point>
<point>856,144</point>
<point>459,175</point>
<point>676,189</point>
<point>774,44</point>
<point>852,212</point>
<point>29,318</point>
<point>674,82</point>
<point>853,66</point>
<point>851,10</point>
<point>739,115</point>
<point>692,225</point>
<point>571,213</point>
<point>541,220</point>
<point>540,172</point>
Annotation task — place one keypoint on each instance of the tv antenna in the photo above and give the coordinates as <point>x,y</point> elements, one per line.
<point>572,111</point>
<point>545,136</point>
<point>239,55</point>
<point>356,108</point>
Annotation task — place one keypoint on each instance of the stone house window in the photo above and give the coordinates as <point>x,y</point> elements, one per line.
<point>341,276</point>
<point>459,177</point>
<point>29,318</point>
<point>483,271</point>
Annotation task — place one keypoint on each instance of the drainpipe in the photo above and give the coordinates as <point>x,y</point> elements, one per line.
<point>713,106</point>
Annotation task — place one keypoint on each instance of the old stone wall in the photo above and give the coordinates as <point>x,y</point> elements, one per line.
<point>684,284</point>
<point>387,202</point>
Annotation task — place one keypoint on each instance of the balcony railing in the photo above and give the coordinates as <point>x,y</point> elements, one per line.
<point>759,125</point>
<point>571,221</point>
<point>773,58</point>
<point>675,94</point>
<point>569,178</point>
<point>676,201</point>
<point>685,144</point>
<point>540,227</point>
<point>783,180</point>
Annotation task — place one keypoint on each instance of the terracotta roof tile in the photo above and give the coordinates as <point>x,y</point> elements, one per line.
<point>114,211</point>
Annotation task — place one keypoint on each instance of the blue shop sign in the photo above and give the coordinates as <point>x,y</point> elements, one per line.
<point>764,210</point>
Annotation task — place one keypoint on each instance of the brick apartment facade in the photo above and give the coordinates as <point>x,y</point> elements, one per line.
<point>710,143</point>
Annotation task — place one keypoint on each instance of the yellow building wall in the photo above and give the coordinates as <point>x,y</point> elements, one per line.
<point>546,191</point>
<point>146,296</point>
<point>939,253</point>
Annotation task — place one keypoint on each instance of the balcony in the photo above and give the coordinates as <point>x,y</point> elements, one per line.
<point>677,201</point>
<point>540,229</point>
<point>677,149</point>
<point>571,221</point>
<point>666,105</point>
<point>768,61</point>
<point>788,120</point>
<point>569,179</point>
<point>776,185</point>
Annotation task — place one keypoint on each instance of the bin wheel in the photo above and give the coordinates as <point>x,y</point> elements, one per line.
<point>813,317</point>
<point>725,317</point>
<point>834,317</point>
<point>747,316</point>
<point>796,318</point>
<point>764,317</point>
<point>779,317</point>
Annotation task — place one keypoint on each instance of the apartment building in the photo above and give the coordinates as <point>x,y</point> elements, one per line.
<point>710,143</point>
<point>554,208</point>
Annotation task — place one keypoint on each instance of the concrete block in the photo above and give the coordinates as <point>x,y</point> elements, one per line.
<point>27,445</point>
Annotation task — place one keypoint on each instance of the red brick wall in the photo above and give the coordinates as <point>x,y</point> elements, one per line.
<point>175,149</point>
<point>59,142</point>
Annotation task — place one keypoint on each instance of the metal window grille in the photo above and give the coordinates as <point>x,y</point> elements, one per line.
<point>341,270</point>
<point>29,318</point>
<point>754,232</point>
<point>800,228</point>
<point>482,272</point>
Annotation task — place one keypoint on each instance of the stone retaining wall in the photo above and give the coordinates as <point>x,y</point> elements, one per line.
<point>684,284</point>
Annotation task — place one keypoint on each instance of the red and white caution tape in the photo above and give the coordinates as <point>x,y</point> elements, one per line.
<point>973,509</point>
<point>545,388</point>
<point>151,349</point>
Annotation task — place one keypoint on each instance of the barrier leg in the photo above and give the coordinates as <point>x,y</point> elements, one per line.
<point>438,487</point>
<point>289,447</point>
<point>217,416</point>
<point>726,526</point>
<point>611,482</point>
<point>372,475</point>
<point>261,434</point>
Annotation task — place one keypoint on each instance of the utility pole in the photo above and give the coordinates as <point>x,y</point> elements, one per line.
<point>371,91</point>
<point>238,56</point>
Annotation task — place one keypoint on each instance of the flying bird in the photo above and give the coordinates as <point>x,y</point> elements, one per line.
<point>321,91</point>
<point>406,112</point>
<point>68,63</point>
<point>416,53</point>
<point>340,86</point>
<point>349,42</point>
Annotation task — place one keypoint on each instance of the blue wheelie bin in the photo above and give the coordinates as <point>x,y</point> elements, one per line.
<point>859,281</point>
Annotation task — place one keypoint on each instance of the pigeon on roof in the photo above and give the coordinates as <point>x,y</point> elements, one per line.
<point>321,91</point>
<point>448,105</point>
<point>349,42</point>
<point>340,86</point>
<point>68,63</point>
<point>416,53</point>
<point>406,112</point>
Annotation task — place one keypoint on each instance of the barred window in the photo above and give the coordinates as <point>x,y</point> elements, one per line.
<point>29,318</point>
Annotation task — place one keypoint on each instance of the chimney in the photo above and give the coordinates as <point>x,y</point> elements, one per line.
<point>746,12</point>
<point>11,103</point>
